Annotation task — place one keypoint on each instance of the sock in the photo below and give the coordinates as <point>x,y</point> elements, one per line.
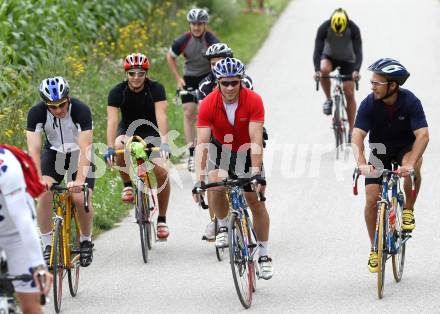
<point>162,219</point>
<point>128,183</point>
<point>83,238</point>
<point>262,248</point>
<point>191,151</point>
<point>223,222</point>
<point>46,239</point>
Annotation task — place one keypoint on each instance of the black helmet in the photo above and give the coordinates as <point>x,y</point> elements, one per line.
<point>390,69</point>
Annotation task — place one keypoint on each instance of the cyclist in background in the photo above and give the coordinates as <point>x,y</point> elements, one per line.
<point>18,233</point>
<point>192,45</point>
<point>143,106</point>
<point>338,43</point>
<point>395,119</point>
<point>231,121</point>
<point>68,129</point>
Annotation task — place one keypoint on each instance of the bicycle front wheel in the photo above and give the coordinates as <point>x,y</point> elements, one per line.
<point>337,124</point>
<point>398,259</point>
<point>74,267</point>
<point>57,265</point>
<point>238,254</point>
<point>142,222</point>
<point>381,251</point>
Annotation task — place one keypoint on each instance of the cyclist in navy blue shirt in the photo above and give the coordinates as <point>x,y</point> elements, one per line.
<point>395,119</point>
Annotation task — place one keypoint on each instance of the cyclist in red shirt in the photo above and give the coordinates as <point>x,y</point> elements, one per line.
<point>230,122</point>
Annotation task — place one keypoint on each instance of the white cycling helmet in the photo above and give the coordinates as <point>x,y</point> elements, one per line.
<point>218,50</point>
<point>197,16</point>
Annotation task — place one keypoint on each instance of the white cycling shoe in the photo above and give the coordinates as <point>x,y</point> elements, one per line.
<point>221,240</point>
<point>209,234</point>
<point>265,267</point>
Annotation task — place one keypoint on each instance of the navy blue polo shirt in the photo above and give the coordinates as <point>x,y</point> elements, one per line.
<point>394,128</point>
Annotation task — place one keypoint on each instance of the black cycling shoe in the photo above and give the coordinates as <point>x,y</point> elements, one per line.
<point>327,107</point>
<point>86,253</point>
<point>46,254</point>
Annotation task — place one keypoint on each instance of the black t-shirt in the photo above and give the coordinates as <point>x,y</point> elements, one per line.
<point>140,105</point>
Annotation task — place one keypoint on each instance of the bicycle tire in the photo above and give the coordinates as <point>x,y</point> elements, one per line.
<point>57,265</point>
<point>398,259</point>
<point>140,217</point>
<point>74,268</point>
<point>239,264</point>
<point>381,251</point>
<point>148,227</point>
<point>336,124</point>
<point>219,252</point>
<point>344,122</point>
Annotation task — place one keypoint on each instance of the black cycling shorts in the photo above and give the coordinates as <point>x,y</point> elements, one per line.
<point>191,82</point>
<point>56,165</point>
<point>237,164</point>
<point>392,155</point>
<point>347,68</point>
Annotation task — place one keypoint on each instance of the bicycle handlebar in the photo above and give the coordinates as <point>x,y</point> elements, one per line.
<point>385,173</point>
<point>228,183</point>
<point>85,189</point>
<point>337,77</point>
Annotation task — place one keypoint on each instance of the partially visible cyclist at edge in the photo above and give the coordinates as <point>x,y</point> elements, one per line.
<point>338,43</point>
<point>68,128</point>
<point>192,45</point>
<point>395,119</point>
<point>230,121</point>
<point>18,234</point>
<point>143,106</point>
<point>215,53</point>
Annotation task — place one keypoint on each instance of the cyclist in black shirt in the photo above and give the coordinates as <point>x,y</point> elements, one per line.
<point>68,128</point>
<point>143,106</point>
<point>338,43</point>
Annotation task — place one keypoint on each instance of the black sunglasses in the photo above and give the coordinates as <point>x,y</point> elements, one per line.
<point>229,83</point>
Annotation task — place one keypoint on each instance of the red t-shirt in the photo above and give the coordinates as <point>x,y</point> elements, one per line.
<point>212,115</point>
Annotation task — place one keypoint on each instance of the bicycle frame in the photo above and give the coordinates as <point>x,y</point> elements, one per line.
<point>63,212</point>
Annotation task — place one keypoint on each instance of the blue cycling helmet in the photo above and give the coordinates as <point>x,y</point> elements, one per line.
<point>390,69</point>
<point>228,67</point>
<point>54,89</point>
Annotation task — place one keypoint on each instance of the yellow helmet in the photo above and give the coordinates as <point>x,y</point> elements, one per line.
<point>339,21</point>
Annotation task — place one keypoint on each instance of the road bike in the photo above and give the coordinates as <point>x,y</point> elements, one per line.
<point>177,100</point>
<point>241,236</point>
<point>389,238</point>
<point>65,249</point>
<point>8,304</point>
<point>339,121</point>
<point>146,206</point>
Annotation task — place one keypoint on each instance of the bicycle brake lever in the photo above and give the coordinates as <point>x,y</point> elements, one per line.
<point>202,202</point>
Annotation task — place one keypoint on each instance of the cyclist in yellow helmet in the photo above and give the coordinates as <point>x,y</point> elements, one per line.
<point>338,43</point>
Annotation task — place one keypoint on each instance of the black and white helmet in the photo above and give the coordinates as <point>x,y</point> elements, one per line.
<point>390,69</point>
<point>218,50</point>
<point>197,16</point>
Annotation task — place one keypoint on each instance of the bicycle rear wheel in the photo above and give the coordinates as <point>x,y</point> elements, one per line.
<point>218,251</point>
<point>57,265</point>
<point>381,251</point>
<point>74,267</point>
<point>141,214</point>
<point>238,251</point>
<point>398,259</point>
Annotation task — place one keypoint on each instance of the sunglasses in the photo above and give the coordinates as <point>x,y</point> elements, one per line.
<point>230,83</point>
<point>61,105</point>
<point>377,83</point>
<point>136,73</point>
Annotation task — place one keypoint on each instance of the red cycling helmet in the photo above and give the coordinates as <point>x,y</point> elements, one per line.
<point>136,61</point>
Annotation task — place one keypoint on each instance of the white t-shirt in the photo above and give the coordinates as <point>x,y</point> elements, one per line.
<point>18,233</point>
<point>230,111</point>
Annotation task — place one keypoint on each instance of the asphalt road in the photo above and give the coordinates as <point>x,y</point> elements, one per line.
<point>318,238</point>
